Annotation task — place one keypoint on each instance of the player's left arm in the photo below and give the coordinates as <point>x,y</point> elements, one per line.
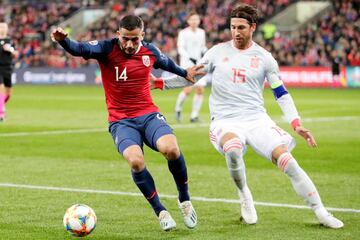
<point>286,102</point>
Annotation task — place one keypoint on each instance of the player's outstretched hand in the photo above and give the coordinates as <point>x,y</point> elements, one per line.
<point>194,71</point>
<point>306,134</point>
<point>58,34</point>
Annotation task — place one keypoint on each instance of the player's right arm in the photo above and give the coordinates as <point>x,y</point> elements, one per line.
<point>87,50</point>
<point>176,81</point>
<point>206,66</point>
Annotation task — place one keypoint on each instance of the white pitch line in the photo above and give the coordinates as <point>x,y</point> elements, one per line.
<point>55,132</point>
<point>174,126</point>
<point>329,119</point>
<point>203,199</point>
<point>88,130</point>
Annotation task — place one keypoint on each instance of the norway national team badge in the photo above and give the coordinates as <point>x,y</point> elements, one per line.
<point>146,60</point>
<point>254,62</point>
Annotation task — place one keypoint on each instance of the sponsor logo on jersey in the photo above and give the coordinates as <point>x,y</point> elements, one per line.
<point>146,60</point>
<point>94,42</point>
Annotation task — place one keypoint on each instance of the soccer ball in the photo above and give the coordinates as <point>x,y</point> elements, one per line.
<point>79,220</point>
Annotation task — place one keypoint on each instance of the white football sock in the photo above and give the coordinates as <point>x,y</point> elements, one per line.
<point>180,100</point>
<point>197,103</point>
<point>301,182</point>
<point>235,163</point>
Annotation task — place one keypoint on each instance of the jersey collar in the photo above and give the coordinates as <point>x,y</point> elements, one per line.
<point>247,49</point>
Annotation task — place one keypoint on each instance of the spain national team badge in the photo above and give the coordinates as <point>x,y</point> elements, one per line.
<point>254,62</point>
<point>146,60</point>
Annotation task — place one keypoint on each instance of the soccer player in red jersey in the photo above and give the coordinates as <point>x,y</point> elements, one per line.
<point>126,63</point>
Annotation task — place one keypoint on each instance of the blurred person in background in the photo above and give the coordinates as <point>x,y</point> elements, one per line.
<point>7,54</point>
<point>335,68</point>
<point>191,45</point>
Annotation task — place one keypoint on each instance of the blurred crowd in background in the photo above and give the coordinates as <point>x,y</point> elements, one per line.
<point>335,34</point>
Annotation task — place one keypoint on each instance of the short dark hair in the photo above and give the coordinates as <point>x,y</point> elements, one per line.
<point>190,14</point>
<point>246,11</point>
<point>131,22</point>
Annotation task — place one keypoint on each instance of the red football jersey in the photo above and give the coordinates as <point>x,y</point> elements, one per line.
<point>125,77</point>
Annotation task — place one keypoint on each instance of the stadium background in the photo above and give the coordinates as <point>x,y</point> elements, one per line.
<point>55,133</point>
<point>298,34</point>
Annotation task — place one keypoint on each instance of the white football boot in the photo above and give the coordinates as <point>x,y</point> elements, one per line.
<point>166,221</point>
<point>189,214</point>
<point>328,220</point>
<point>248,211</point>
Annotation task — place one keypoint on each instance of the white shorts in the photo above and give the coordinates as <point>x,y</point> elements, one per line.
<point>262,135</point>
<point>186,63</point>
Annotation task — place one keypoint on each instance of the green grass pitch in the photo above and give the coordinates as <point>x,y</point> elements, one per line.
<point>37,149</point>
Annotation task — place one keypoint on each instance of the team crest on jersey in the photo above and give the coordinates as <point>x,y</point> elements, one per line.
<point>94,42</point>
<point>146,60</point>
<point>254,62</point>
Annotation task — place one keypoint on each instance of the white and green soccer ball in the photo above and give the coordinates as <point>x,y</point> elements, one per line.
<point>79,220</point>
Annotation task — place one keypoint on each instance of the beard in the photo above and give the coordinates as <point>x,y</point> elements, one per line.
<point>241,42</point>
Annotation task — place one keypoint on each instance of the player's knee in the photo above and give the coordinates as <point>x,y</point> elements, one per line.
<point>187,90</point>
<point>171,151</point>
<point>287,163</point>
<point>136,163</point>
<point>135,159</point>
<point>232,145</point>
<point>233,148</point>
<point>199,90</point>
